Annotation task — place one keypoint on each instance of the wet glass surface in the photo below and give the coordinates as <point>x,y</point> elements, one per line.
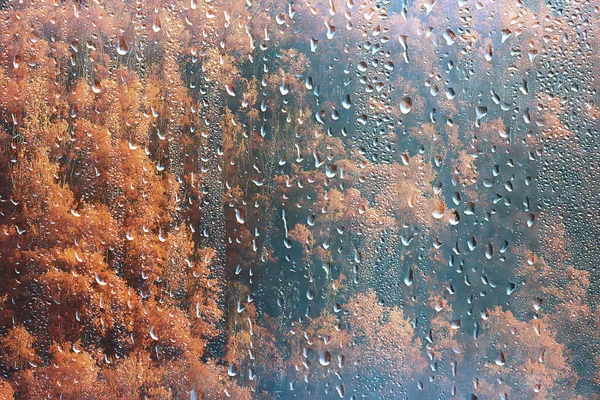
<point>210,199</point>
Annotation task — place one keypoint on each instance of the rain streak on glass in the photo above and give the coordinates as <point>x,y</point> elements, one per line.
<point>276,199</point>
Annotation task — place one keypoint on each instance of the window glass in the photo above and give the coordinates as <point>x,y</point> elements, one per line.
<point>273,199</point>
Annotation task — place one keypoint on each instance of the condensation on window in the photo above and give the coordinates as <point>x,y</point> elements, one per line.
<point>312,199</point>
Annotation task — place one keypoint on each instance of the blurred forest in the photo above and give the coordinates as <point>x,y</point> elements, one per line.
<point>210,199</point>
